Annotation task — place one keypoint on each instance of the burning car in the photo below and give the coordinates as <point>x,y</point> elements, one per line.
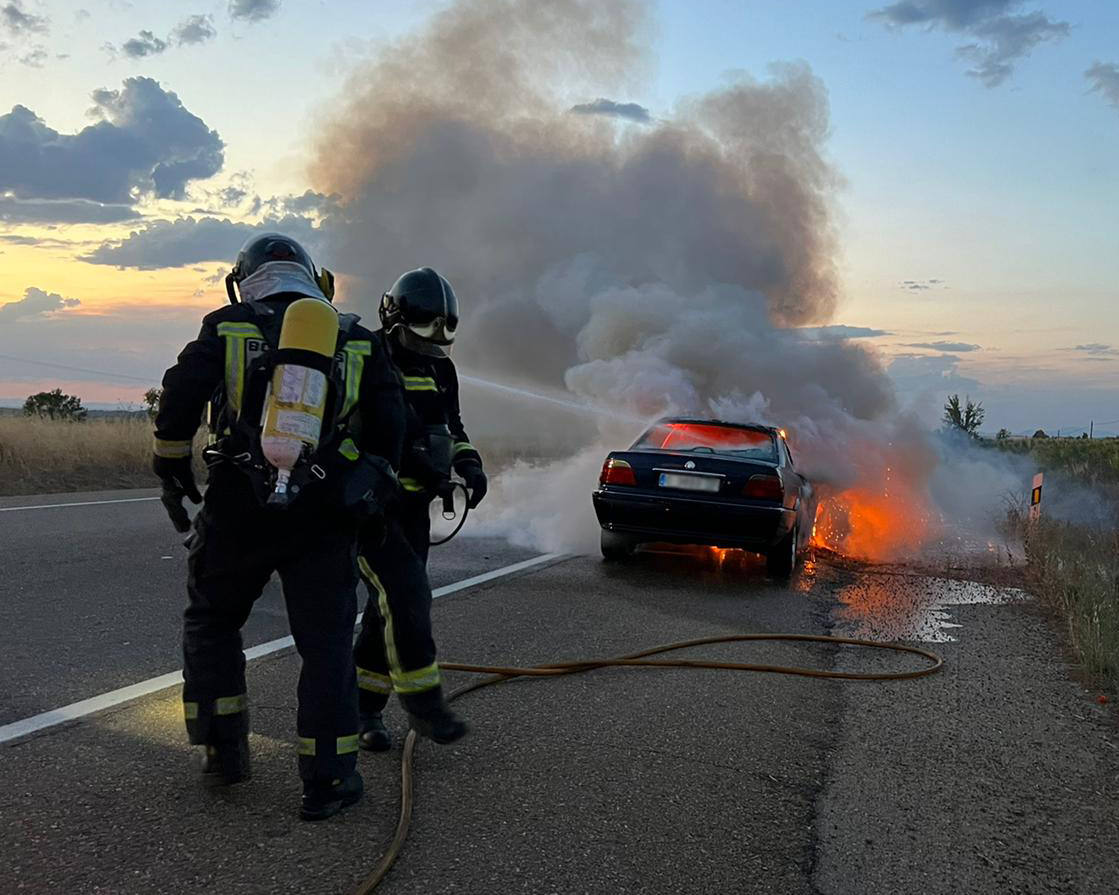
<point>707,482</point>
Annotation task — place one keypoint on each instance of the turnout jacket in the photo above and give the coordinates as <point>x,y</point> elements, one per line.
<point>431,393</point>
<point>232,337</point>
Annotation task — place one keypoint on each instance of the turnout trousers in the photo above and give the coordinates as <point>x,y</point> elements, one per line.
<point>237,545</point>
<point>395,650</point>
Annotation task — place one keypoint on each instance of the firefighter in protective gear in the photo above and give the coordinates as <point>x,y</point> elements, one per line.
<point>239,541</point>
<point>395,651</point>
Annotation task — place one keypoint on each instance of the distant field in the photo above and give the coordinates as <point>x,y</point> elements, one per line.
<point>44,456</point>
<point>100,454</point>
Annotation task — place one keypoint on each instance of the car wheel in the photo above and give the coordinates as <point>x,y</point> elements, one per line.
<point>616,547</point>
<point>781,560</point>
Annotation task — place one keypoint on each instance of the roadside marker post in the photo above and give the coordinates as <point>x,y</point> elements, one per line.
<point>1035,498</point>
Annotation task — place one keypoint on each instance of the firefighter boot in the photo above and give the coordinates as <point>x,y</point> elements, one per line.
<point>431,717</point>
<point>374,736</point>
<point>227,762</point>
<point>325,798</point>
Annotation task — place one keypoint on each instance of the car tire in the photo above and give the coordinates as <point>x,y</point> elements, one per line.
<point>781,560</point>
<point>616,547</point>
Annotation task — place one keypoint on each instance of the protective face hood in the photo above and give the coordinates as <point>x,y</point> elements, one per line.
<point>279,276</point>
<point>440,346</point>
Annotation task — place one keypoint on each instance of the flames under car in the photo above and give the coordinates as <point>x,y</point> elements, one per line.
<point>707,482</point>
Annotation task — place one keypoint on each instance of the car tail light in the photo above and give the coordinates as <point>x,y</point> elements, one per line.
<point>617,472</point>
<point>764,487</point>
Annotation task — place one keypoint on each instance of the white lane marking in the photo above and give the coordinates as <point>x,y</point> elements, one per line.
<point>134,691</point>
<point>83,503</point>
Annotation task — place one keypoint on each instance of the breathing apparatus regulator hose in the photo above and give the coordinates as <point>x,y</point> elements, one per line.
<point>499,674</point>
<point>449,513</point>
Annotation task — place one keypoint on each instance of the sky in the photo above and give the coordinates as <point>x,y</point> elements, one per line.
<point>977,142</point>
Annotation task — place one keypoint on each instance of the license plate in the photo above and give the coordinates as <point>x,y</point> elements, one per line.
<point>690,482</point>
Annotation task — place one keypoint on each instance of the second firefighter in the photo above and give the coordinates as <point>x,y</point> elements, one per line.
<point>395,651</point>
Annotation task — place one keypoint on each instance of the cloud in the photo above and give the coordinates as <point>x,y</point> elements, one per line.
<point>17,21</point>
<point>146,44</point>
<point>921,285</point>
<point>36,303</point>
<point>1001,37</point>
<point>193,240</point>
<point>253,10</point>
<point>1099,349</point>
<point>194,30</point>
<point>840,331</point>
<point>1104,78</point>
<point>35,57</point>
<point>62,211</point>
<point>944,346</point>
<point>145,142</point>
<point>629,111</point>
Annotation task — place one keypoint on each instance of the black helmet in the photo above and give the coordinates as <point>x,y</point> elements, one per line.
<point>421,308</point>
<point>263,248</point>
<point>259,250</point>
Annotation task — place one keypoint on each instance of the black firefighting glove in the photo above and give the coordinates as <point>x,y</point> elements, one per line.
<point>444,488</point>
<point>476,482</point>
<point>177,475</point>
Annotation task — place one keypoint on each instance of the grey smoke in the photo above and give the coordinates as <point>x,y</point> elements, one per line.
<point>661,270</point>
<point>612,109</point>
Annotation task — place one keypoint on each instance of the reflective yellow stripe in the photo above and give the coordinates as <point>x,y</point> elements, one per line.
<point>306,746</point>
<point>240,329</point>
<point>416,681</point>
<point>235,335</point>
<point>463,446</point>
<point>419,383</point>
<point>373,682</point>
<point>190,710</point>
<point>349,450</point>
<point>172,450</point>
<point>231,705</point>
<point>346,745</point>
<point>386,615</point>
<point>356,353</point>
<point>410,484</point>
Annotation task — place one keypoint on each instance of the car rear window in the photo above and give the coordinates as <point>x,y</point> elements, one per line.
<point>756,444</point>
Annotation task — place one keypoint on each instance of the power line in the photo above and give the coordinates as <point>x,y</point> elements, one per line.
<point>43,363</point>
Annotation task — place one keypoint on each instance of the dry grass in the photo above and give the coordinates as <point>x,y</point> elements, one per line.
<point>1075,569</point>
<point>44,456</point>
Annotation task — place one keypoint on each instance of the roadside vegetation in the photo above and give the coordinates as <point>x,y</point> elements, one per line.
<point>41,455</point>
<point>1073,564</point>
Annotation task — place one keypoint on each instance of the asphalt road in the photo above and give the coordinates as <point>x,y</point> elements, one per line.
<point>997,775</point>
<point>92,588</point>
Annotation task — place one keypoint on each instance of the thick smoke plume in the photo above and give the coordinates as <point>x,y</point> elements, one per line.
<point>647,268</point>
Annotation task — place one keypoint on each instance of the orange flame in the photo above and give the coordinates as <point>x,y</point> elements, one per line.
<point>868,525</point>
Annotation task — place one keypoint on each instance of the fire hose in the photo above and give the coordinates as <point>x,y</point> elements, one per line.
<point>499,674</point>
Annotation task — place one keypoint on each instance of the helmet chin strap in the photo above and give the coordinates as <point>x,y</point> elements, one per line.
<point>230,289</point>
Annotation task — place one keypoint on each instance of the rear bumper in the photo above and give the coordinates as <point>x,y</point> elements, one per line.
<point>680,520</point>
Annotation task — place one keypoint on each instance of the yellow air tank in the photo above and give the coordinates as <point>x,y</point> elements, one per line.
<point>296,400</point>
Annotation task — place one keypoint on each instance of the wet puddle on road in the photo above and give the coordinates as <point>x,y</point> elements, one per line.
<point>915,609</point>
